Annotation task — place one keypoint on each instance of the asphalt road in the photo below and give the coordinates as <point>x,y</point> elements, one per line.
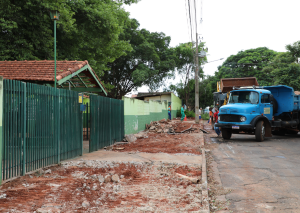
<point>263,176</point>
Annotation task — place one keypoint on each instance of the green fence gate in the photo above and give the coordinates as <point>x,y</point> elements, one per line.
<point>41,126</point>
<point>107,122</point>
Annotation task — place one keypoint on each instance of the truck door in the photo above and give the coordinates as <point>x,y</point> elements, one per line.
<point>266,107</point>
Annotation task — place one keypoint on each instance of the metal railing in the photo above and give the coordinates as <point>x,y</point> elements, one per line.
<point>41,126</point>
<point>107,122</point>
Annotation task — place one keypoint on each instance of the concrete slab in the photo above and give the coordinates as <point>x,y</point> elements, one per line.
<point>102,155</point>
<point>179,158</point>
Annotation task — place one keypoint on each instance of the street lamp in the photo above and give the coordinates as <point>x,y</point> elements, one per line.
<point>54,15</point>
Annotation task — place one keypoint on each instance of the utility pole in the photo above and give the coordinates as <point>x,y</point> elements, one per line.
<point>197,84</point>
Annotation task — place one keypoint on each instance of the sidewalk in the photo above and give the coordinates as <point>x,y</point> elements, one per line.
<point>121,180</point>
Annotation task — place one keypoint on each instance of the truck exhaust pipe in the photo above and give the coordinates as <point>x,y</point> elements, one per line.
<point>289,123</point>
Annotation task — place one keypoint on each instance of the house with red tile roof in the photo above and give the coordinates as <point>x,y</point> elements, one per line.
<point>73,75</point>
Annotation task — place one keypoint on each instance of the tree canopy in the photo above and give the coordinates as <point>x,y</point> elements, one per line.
<point>248,63</point>
<point>150,61</point>
<point>86,30</point>
<point>285,67</point>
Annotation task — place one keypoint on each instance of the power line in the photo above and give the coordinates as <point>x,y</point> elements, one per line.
<point>190,21</point>
<point>195,15</point>
<point>187,20</point>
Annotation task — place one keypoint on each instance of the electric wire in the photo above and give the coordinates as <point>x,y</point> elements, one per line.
<point>187,20</point>
<point>195,7</point>
<point>190,18</point>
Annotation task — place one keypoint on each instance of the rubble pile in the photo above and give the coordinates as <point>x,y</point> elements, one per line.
<point>160,127</point>
<point>166,126</point>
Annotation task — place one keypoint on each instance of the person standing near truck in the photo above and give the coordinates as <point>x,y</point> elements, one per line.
<point>182,113</point>
<point>216,121</point>
<point>169,111</point>
<point>200,112</point>
<point>211,115</point>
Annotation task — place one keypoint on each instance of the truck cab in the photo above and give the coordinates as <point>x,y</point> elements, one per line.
<point>244,107</point>
<point>260,111</point>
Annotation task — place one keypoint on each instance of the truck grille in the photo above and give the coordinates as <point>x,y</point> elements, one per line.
<point>230,118</point>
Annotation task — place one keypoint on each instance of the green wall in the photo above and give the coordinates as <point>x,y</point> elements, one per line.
<point>176,105</point>
<point>138,113</point>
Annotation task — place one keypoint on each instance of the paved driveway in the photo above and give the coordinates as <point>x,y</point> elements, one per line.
<point>263,176</point>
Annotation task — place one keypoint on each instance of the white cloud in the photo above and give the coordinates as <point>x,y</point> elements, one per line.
<point>228,25</point>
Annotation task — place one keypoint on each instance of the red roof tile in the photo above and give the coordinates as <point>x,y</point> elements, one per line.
<point>38,70</point>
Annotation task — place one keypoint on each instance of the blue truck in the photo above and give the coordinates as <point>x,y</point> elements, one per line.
<point>260,111</point>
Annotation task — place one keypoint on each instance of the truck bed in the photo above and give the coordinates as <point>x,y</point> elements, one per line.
<point>285,97</point>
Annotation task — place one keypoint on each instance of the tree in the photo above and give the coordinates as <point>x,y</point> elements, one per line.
<point>86,30</point>
<point>248,63</point>
<point>285,67</point>
<point>205,92</point>
<point>185,62</point>
<point>150,61</point>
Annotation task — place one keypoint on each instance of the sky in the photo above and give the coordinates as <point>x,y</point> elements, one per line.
<point>228,26</point>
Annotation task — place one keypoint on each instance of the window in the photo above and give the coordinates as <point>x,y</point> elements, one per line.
<point>243,97</point>
<point>265,99</point>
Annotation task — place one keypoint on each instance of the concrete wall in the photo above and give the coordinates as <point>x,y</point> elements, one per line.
<point>138,113</point>
<point>175,105</point>
<point>159,98</point>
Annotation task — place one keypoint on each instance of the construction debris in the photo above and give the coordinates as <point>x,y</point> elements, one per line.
<point>204,131</point>
<point>166,126</point>
<point>130,138</point>
<point>192,179</point>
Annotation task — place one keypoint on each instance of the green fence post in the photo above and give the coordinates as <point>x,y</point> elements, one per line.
<point>1,132</point>
<point>24,129</point>
<point>58,125</point>
<point>110,122</point>
<point>81,138</point>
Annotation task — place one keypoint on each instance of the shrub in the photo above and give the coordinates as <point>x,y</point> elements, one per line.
<point>205,116</point>
<point>189,114</point>
<point>178,114</point>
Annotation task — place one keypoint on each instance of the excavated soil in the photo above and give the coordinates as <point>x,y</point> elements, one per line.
<point>76,188</point>
<point>166,143</point>
<point>153,142</point>
<point>182,127</point>
<point>79,186</point>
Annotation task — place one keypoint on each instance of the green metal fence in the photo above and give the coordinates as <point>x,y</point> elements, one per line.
<point>41,126</point>
<point>70,125</point>
<point>107,122</point>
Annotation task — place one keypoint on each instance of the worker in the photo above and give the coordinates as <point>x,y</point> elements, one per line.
<point>169,111</point>
<point>182,113</point>
<point>211,117</point>
<point>216,116</point>
<point>200,112</point>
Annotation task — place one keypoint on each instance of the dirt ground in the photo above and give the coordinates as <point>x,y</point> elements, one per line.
<point>78,188</point>
<point>166,143</point>
<point>108,186</point>
<point>217,192</point>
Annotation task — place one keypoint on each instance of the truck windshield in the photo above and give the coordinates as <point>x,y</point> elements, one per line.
<point>243,97</point>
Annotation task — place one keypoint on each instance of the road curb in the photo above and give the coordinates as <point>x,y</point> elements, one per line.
<point>205,201</point>
<point>205,198</point>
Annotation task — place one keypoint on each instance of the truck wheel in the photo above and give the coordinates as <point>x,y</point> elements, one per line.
<point>226,134</point>
<point>260,131</point>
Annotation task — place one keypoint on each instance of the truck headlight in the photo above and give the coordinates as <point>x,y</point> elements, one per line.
<point>243,118</point>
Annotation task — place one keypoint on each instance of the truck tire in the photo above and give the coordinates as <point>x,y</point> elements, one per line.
<point>260,131</point>
<point>226,133</point>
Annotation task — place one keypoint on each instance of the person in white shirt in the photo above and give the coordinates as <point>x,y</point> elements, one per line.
<point>200,112</point>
